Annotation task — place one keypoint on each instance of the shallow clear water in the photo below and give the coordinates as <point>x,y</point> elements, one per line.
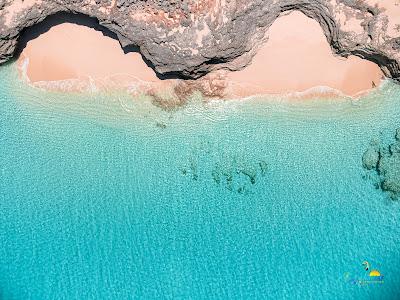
<point>105,197</point>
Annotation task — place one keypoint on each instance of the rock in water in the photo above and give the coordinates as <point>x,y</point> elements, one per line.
<point>389,167</point>
<point>370,159</point>
<point>386,164</point>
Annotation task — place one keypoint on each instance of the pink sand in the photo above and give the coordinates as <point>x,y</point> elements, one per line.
<point>70,51</point>
<point>296,57</point>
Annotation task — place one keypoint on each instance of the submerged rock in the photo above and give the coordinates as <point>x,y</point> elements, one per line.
<point>394,148</point>
<point>385,162</point>
<point>389,169</point>
<point>161,125</point>
<point>167,102</point>
<point>370,159</point>
<point>237,175</point>
<point>191,170</point>
<point>264,167</point>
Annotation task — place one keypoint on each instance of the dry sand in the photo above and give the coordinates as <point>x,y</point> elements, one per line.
<point>69,51</point>
<point>297,57</point>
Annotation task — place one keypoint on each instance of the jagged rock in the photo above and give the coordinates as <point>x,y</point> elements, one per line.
<point>190,38</point>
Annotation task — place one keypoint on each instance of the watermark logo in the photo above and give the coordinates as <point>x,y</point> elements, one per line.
<point>370,276</point>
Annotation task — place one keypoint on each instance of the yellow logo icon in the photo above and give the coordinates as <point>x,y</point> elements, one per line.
<point>374,273</point>
<point>373,276</point>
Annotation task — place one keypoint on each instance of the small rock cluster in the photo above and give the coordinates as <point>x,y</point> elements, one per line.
<point>239,177</point>
<point>234,175</point>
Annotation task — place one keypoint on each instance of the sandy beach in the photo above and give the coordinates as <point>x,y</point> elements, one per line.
<point>296,58</point>
<point>70,51</point>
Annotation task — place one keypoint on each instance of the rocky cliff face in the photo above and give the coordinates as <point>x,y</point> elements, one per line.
<point>193,37</point>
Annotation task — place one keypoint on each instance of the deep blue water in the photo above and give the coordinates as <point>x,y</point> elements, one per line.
<point>108,197</point>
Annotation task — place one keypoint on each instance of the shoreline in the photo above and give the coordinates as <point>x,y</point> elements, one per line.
<point>136,87</point>
<point>90,86</point>
<point>93,85</point>
<point>75,58</point>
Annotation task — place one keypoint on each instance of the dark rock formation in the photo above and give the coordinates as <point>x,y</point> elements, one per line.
<point>235,173</point>
<point>191,170</point>
<point>238,176</point>
<point>385,162</point>
<point>190,38</point>
<point>371,158</point>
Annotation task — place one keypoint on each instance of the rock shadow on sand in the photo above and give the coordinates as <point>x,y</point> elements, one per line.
<point>35,31</point>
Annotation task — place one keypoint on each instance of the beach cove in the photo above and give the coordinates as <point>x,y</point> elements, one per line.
<point>199,150</point>
<point>73,57</point>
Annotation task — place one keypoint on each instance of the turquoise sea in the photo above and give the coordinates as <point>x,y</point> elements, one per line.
<point>107,197</point>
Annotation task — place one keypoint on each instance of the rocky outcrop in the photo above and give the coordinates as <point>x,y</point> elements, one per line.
<point>384,161</point>
<point>371,158</point>
<point>190,38</point>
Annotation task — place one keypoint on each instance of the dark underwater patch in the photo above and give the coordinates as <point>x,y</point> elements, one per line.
<point>382,162</point>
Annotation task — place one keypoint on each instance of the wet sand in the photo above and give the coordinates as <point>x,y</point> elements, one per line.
<point>296,58</point>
